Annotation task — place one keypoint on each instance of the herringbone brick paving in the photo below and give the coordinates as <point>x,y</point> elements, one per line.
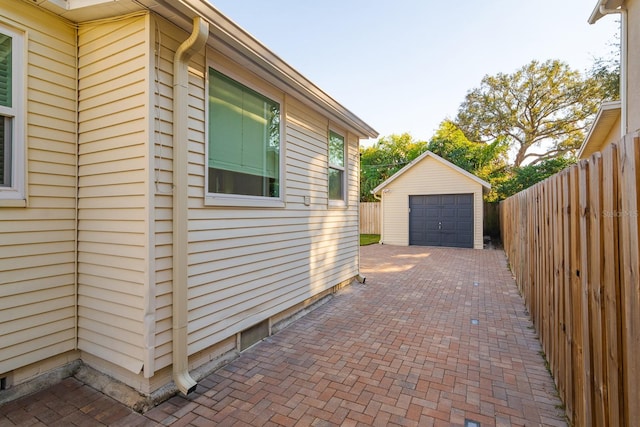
<point>399,350</point>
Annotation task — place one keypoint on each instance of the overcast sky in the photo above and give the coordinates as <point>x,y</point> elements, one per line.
<point>406,65</point>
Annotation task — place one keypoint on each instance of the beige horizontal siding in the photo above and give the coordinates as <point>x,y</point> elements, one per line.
<point>162,176</point>
<point>427,177</point>
<point>112,193</point>
<point>37,248</point>
<point>245,264</point>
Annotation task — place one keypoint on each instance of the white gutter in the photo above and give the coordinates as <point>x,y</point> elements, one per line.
<point>187,49</point>
<point>602,9</point>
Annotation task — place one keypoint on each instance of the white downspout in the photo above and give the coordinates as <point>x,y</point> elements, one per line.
<point>623,62</point>
<point>187,49</point>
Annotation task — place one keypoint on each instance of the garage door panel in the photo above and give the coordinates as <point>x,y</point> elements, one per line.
<point>448,199</point>
<point>441,220</point>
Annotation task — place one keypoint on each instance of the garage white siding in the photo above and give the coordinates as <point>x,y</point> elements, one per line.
<point>426,176</point>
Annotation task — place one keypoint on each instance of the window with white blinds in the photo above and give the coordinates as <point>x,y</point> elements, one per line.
<point>244,140</point>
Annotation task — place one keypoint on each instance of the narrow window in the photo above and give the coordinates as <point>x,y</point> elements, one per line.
<point>12,170</point>
<point>6,110</point>
<point>244,140</point>
<point>336,167</point>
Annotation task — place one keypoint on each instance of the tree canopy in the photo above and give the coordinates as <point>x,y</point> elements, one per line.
<point>541,110</point>
<point>383,159</point>
<point>513,131</point>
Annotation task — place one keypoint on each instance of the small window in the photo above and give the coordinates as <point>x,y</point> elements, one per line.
<point>336,167</point>
<point>244,140</point>
<point>11,145</point>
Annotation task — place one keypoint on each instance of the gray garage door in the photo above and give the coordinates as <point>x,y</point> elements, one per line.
<point>441,220</point>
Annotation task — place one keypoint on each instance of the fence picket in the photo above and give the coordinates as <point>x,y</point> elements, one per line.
<point>594,288</point>
<point>629,158</point>
<point>611,284</point>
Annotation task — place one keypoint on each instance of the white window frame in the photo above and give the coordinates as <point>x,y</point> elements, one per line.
<point>339,203</point>
<point>15,195</point>
<point>241,200</point>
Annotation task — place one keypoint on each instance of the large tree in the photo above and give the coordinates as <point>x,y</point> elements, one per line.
<point>542,110</point>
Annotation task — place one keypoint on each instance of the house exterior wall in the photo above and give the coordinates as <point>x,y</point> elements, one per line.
<point>37,247</point>
<point>429,176</point>
<point>248,264</point>
<point>113,196</point>
<point>100,139</point>
<point>633,65</point>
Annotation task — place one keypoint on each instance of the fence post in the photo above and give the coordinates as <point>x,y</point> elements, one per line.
<point>629,162</point>
<point>611,284</point>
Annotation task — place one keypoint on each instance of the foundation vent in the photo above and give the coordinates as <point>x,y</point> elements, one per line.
<point>254,334</point>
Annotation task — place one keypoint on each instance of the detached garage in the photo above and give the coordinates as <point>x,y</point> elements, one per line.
<point>432,202</point>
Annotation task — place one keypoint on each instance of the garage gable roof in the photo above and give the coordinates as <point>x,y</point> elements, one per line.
<point>437,158</point>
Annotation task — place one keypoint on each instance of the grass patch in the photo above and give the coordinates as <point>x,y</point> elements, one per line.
<point>369,239</point>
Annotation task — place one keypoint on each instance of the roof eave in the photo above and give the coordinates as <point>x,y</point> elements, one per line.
<point>596,14</point>
<point>225,35</point>
<point>259,58</point>
<point>603,113</point>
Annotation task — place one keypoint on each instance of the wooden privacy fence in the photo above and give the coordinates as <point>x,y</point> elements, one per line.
<point>572,244</point>
<point>369,218</point>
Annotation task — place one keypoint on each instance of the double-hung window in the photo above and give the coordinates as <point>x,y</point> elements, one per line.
<point>244,143</point>
<point>337,184</point>
<point>12,173</point>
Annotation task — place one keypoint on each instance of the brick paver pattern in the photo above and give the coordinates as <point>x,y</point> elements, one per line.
<point>435,337</point>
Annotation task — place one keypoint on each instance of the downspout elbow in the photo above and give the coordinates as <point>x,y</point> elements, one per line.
<point>187,49</point>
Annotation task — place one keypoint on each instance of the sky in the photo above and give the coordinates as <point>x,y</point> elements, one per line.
<point>406,65</point>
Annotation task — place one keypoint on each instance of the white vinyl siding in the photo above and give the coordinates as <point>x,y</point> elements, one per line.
<point>37,248</point>
<point>429,176</point>
<point>113,260</point>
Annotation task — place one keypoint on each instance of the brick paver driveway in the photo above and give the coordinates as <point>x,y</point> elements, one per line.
<point>435,337</point>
